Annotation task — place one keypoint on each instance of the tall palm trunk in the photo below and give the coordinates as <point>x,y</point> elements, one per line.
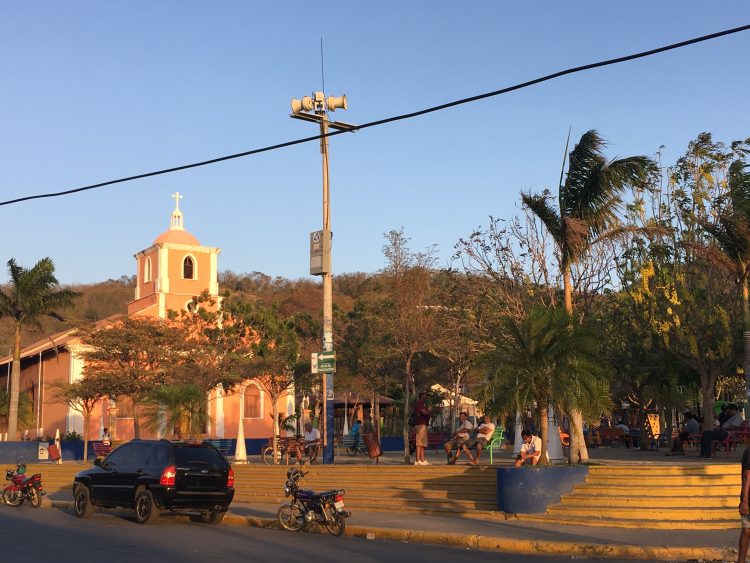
<point>15,384</point>
<point>577,452</point>
<point>544,426</point>
<point>86,429</point>
<point>746,336</point>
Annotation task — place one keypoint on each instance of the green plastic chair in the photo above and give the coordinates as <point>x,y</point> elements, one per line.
<point>497,441</point>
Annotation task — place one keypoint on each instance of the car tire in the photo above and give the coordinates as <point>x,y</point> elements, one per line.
<point>82,506</point>
<point>146,511</point>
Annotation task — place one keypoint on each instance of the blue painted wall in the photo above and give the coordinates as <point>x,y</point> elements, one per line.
<point>530,490</point>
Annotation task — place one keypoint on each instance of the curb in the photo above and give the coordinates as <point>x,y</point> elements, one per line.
<point>485,543</point>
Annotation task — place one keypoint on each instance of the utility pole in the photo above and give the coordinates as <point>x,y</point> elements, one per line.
<point>315,108</point>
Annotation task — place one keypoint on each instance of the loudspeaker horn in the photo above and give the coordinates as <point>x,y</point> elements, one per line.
<point>305,104</point>
<point>336,102</point>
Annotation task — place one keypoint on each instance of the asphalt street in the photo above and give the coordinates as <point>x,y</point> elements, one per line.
<point>49,534</point>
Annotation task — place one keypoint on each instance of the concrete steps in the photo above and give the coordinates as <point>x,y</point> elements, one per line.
<point>653,497</point>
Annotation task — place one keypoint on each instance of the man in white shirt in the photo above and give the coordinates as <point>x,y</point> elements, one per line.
<point>733,423</point>
<point>457,440</point>
<point>312,441</point>
<point>484,434</point>
<point>531,449</point>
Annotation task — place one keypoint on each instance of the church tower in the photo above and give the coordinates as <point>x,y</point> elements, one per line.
<point>173,270</point>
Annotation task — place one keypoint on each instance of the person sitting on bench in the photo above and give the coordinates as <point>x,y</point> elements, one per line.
<point>463,433</point>
<point>312,441</point>
<point>734,422</point>
<point>484,433</point>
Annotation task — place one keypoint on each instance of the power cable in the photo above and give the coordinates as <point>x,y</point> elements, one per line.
<point>401,117</point>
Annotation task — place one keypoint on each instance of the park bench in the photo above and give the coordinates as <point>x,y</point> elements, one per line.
<point>224,445</point>
<point>100,448</point>
<point>611,436</point>
<point>286,446</point>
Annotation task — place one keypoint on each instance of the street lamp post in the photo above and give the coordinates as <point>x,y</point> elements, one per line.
<point>315,108</point>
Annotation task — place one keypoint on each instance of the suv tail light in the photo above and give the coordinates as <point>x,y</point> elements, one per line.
<point>230,478</point>
<point>167,476</point>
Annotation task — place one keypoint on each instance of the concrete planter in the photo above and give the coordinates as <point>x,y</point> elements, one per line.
<point>530,490</point>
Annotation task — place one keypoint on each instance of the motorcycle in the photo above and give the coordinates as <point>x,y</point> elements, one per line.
<point>325,509</point>
<point>22,488</point>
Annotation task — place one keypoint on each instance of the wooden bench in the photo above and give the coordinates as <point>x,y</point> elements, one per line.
<point>100,448</point>
<point>286,446</point>
<point>611,436</point>
<point>224,445</point>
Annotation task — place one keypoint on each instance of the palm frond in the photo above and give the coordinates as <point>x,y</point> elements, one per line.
<point>541,207</point>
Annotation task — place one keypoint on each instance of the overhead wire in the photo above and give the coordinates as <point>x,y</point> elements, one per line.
<point>393,119</point>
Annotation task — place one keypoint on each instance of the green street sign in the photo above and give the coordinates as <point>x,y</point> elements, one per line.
<point>323,362</point>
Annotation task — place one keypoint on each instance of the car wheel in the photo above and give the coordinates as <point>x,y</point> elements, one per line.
<point>146,511</point>
<point>12,497</point>
<point>82,506</point>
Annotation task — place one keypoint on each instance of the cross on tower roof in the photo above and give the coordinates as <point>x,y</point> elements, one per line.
<point>177,197</point>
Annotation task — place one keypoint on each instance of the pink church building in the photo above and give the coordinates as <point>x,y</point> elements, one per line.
<point>169,273</point>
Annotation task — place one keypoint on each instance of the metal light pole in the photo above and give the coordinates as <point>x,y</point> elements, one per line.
<point>320,247</point>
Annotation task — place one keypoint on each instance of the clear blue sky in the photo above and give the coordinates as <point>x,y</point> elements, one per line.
<point>93,91</point>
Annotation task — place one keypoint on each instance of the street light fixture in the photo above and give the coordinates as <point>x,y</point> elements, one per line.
<point>315,108</point>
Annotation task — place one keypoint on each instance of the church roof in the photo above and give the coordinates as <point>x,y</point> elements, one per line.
<point>175,236</point>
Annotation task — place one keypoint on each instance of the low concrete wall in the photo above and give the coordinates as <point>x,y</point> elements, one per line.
<point>530,490</point>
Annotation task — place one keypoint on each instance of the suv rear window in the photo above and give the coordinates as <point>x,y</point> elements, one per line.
<point>185,456</point>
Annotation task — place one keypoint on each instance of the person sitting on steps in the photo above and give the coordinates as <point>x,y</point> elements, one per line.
<point>531,450</point>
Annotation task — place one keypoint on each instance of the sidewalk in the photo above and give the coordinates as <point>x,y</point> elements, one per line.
<point>510,536</point>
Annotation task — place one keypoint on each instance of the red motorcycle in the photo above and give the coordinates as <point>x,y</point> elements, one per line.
<point>22,488</point>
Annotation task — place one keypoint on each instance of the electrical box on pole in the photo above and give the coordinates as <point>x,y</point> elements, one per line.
<point>320,253</point>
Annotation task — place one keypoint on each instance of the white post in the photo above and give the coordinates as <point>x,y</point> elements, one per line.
<point>554,444</point>
<point>240,452</point>
<point>59,446</point>
<point>517,439</point>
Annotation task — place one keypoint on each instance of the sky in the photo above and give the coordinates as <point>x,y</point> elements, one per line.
<point>94,91</point>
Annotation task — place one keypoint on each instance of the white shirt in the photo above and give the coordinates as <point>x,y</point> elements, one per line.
<point>533,447</point>
<point>312,436</point>
<point>482,431</point>
<point>465,428</point>
<point>733,423</point>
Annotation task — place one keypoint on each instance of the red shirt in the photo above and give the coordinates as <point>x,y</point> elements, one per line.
<point>423,416</point>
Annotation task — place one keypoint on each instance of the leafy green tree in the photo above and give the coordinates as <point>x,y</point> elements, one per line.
<point>543,359</point>
<point>31,294</point>
<point>411,318</point>
<point>133,357</point>
<point>25,409</point>
<point>273,354</point>
<point>82,396</point>
<point>732,233</point>
<point>588,201</point>
<point>179,408</point>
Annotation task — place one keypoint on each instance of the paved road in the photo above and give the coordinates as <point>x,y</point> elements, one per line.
<point>49,534</point>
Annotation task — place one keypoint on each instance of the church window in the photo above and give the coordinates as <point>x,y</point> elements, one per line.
<point>252,402</point>
<point>147,270</point>
<point>124,407</point>
<point>188,268</point>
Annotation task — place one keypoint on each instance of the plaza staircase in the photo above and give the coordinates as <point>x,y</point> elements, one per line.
<point>668,496</point>
<point>435,489</point>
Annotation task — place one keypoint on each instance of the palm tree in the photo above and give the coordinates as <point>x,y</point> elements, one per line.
<point>588,202</point>
<point>544,358</point>
<point>732,233</point>
<point>31,294</point>
<point>180,409</point>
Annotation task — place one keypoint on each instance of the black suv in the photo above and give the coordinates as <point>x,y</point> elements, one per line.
<point>155,475</point>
